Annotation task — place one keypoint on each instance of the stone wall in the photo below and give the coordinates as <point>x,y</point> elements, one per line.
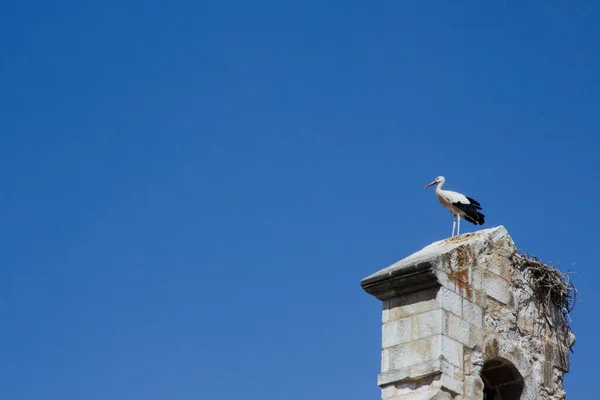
<point>459,305</point>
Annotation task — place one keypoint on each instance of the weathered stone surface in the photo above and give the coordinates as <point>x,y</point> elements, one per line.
<point>449,300</point>
<point>426,388</point>
<point>472,313</point>
<point>410,374</point>
<point>427,324</point>
<point>452,384</point>
<point>396,331</point>
<point>441,395</point>
<point>459,308</point>
<point>410,304</point>
<point>473,387</point>
<point>476,278</point>
<point>457,329</point>
<point>452,352</point>
<point>499,265</point>
<point>385,360</point>
<point>496,287</point>
<point>415,352</point>
<point>424,394</point>
<point>388,391</point>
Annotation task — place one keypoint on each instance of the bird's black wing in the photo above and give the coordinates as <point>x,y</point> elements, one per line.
<point>474,202</point>
<point>470,211</point>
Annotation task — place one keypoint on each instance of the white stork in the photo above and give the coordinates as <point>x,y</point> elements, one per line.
<point>458,204</point>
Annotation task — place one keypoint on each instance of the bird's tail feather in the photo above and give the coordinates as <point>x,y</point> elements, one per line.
<point>475,217</point>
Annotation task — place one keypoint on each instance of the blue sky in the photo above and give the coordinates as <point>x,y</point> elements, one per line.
<point>192,191</point>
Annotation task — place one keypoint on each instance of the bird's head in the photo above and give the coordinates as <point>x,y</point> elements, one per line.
<point>439,179</point>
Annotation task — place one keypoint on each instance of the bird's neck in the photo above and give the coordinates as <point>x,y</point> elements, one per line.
<point>438,188</point>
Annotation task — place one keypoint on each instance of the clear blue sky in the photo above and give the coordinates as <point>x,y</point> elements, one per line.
<point>192,190</point>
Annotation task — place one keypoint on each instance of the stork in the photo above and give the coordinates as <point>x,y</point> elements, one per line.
<point>458,204</point>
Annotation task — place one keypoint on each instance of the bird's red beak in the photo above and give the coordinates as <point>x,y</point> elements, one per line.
<point>431,184</point>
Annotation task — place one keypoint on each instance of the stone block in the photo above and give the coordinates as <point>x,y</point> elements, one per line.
<point>427,324</point>
<point>457,328</point>
<point>527,317</point>
<point>449,300</point>
<point>429,387</point>
<point>476,335</point>
<point>548,376</point>
<point>480,298</point>
<point>452,352</point>
<point>473,387</point>
<point>433,393</point>
<point>410,304</point>
<point>496,287</point>
<point>441,395</point>
<point>385,360</point>
<point>512,302</point>
<point>447,368</point>
<point>472,313</point>
<point>415,352</point>
<point>499,265</point>
<point>410,374</point>
<point>395,332</point>
<point>388,391</point>
<point>452,384</point>
<point>509,316</point>
<point>446,281</point>
<point>557,355</point>
<point>427,368</point>
<point>476,278</point>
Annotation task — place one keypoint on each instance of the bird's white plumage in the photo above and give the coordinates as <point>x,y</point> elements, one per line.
<point>453,197</point>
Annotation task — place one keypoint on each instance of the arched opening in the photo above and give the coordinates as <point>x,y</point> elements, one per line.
<point>501,380</point>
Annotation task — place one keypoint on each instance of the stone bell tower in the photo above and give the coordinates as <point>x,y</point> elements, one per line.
<point>461,321</point>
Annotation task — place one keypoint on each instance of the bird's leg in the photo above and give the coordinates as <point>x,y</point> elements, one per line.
<point>458,227</point>
<point>453,224</point>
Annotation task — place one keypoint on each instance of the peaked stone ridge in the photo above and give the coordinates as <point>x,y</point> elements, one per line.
<point>416,271</point>
<point>459,320</point>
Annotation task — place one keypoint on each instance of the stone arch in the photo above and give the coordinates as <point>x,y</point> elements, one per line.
<point>501,380</point>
